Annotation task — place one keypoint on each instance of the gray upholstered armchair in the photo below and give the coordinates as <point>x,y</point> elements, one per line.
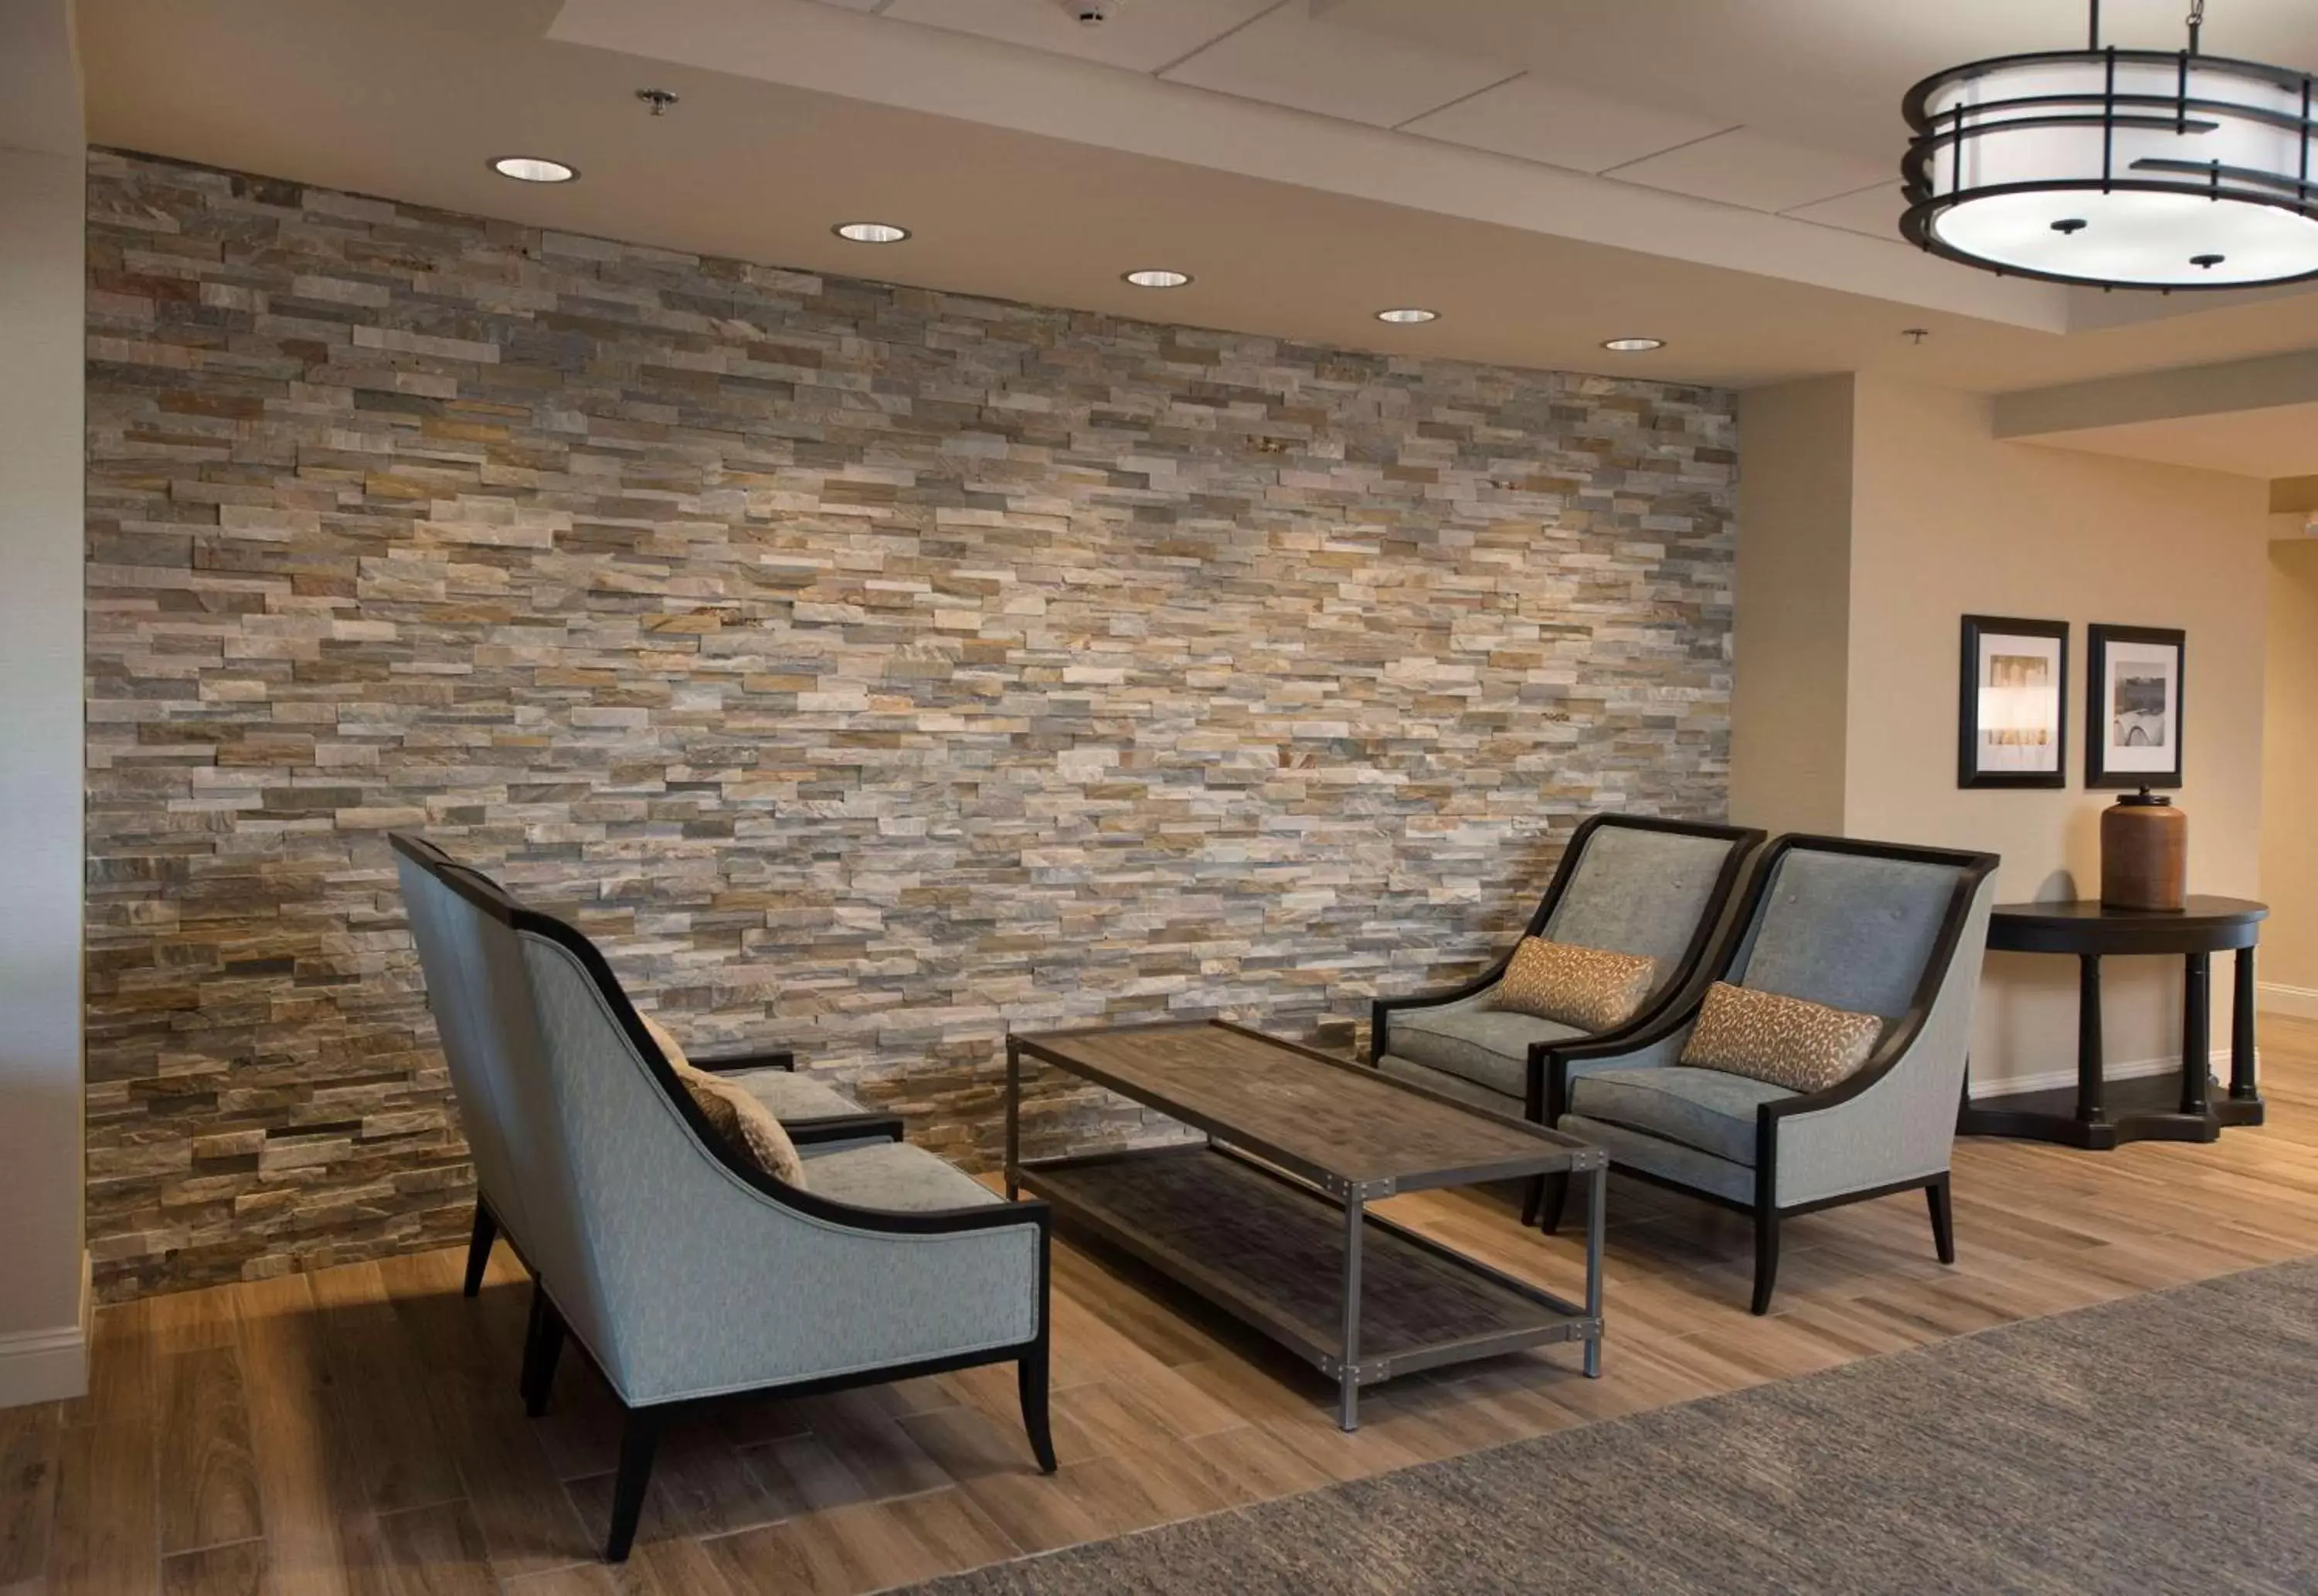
<point>1870,928</point>
<point>818,1118</point>
<point>686,1273</point>
<point>1628,883</point>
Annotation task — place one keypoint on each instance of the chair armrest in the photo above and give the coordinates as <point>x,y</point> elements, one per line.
<point>731,1063</point>
<point>1381,1010</point>
<point>846,1127</point>
<point>1893,1121</point>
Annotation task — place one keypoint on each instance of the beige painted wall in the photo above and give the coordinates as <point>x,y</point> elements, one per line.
<point>1793,620</point>
<point>2289,842</point>
<point>1946,520</point>
<point>42,1269</point>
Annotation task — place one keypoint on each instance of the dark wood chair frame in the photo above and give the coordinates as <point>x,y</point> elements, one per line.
<point>548,1330</point>
<point>1543,1102</point>
<point>1898,1038</point>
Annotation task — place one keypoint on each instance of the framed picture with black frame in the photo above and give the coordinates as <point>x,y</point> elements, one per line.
<point>2012,714</point>
<point>2133,707</point>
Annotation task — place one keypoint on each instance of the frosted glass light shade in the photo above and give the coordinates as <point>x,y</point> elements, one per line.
<point>2123,168</point>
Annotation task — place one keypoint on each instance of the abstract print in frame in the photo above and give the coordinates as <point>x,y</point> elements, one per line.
<point>2012,720</point>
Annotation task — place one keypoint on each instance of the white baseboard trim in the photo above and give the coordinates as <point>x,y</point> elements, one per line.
<point>2295,1002</point>
<point>2131,1070</point>
<point>49,1365</point>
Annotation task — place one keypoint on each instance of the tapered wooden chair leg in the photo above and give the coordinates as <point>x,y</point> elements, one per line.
<point>638,1444</point>
<point>1532,1201</point>
<point>1766,1257</point>
<point>542,1345</point>
<point>479,1246</point>
<point>1553,1197</point>
<point>1943,1219</point>
<point>1032,1373</point>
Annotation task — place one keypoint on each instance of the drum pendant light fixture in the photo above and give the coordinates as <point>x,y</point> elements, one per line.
<point>2117,168</point>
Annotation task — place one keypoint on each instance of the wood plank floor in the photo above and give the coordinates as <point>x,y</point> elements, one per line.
<point>357,1430</point>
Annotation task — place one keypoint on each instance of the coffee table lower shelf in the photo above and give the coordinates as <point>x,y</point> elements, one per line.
<point>1362,1298</point>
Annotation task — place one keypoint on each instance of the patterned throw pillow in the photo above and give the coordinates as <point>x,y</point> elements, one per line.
<point>1802,1046</point>
<point>1590,988</point>
<point>743,1121</point>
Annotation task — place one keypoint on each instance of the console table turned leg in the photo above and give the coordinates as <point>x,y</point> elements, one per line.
<point>2091,1048</point>
<point>2243,1087</point>
<point>2197,1032</point>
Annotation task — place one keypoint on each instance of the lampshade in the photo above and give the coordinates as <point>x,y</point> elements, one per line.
<point>2117,168</point>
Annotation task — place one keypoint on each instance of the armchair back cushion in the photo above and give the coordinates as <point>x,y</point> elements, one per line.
<point>1591,987</point>
<point>1639,891</point>
<point>748,1124</point>
<point>1800,1046</point>
<point>1851,931</point>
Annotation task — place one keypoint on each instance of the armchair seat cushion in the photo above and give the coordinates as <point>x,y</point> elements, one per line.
<point>896,1176</point>
<point>1486,1046</point>
<point>1706,1110</point>
<point>795,1099</point>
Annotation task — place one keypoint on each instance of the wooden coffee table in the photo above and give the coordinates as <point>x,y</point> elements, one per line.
<point>1267,1217</point>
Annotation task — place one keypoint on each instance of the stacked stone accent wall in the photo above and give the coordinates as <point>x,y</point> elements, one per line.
<point>869,668</point>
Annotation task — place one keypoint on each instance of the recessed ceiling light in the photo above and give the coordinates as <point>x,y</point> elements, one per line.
<point>871,232</point>
<point>1157,277</point>
<point>1405,314</point>
<point>1633,345</point>
<point>532,168</point>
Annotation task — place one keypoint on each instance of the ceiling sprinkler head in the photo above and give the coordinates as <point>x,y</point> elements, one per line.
<point>1091,14</point>
<point>660,100</point>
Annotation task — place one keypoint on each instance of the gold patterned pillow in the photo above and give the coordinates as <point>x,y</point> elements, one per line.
<point>744,1123</point>
<point>1785,1041</point>
<point>1590,988</point>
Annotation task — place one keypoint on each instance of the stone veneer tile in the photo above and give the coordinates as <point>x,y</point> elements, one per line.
<point>870,668</point>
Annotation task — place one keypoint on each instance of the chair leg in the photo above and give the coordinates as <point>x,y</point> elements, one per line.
<point>542,1344</point>
<point>1032,1374</point>
<point>1553,1196</point>
<point>638,1443</point>
<point>479,1246</point>
<point>1533,1200</point>
<point>1766,1256</point>
<point>1943,1219</point>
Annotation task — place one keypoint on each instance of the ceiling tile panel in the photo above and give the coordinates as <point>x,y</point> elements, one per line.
<point>1745,167</point>
<point>1140,35</point>
<point>1538,120</point>
<point>1289,58</point>
<point>1874,211</point>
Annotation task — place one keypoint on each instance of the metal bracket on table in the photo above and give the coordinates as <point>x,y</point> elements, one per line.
<point>1358,1191</point>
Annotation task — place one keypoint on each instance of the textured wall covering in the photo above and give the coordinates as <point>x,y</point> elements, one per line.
<point>870,668</point>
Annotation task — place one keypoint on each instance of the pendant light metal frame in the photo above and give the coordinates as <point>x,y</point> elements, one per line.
<point>1934,165</point>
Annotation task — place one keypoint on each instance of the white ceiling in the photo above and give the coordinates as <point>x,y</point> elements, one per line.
<point>1546,173</point>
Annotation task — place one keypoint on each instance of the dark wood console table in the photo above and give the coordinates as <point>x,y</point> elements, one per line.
<point>2098,1112</point>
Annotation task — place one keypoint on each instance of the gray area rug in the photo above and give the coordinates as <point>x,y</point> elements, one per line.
<point>2165,1443</point>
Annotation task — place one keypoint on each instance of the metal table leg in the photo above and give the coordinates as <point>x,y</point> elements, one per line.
<point>1597,1199</point>
<point>1348,1378</point>
<point>1013,1117</point>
